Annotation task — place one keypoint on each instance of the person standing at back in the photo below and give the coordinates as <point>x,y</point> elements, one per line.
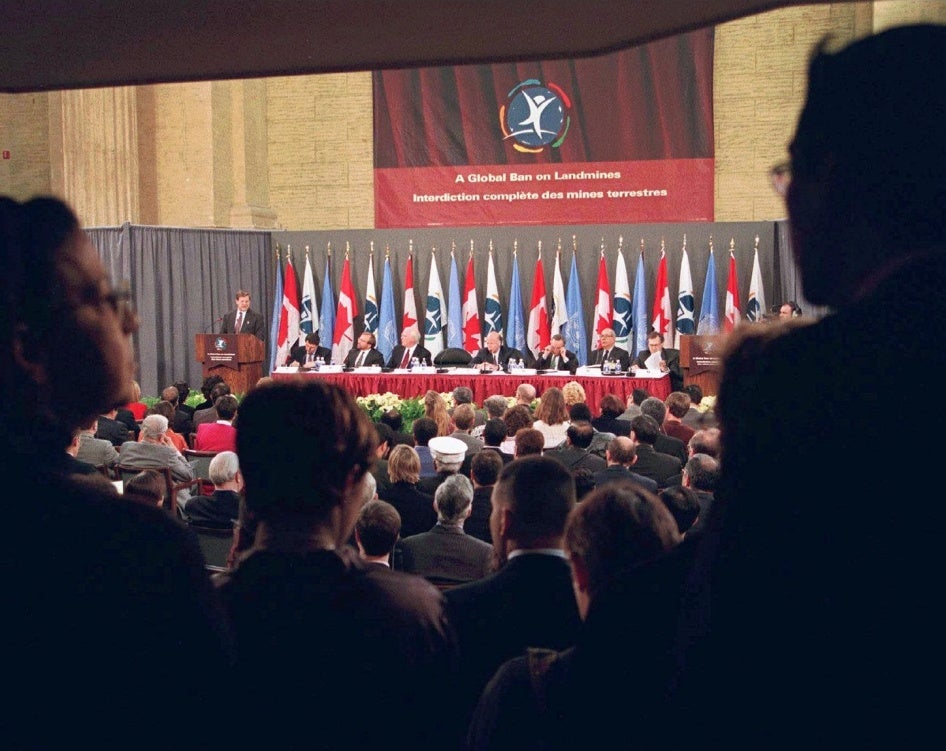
<point>243,319</point>
<point>825,650</point>
<point>109,609</point>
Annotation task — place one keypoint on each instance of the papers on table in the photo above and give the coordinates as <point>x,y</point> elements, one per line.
<point>653,362</point>
<point>365,369</point>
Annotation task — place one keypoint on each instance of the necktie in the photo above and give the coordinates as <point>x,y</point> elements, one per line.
<point>406,360</point>
<point>361,359</point>
<point>310,357</point>
<point>239,323</point>
<point>554,362</point>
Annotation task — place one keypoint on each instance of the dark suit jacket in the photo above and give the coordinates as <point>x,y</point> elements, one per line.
<point>477,523</point>
<point>416,508</point>
<point>621,355</point>
<point>672,358</point>
<point>297,354</point>
<point>614,425</point>
<point>505,353</point>
<point>616,473</point>
<point>374,357</point>
<point>667,444</point>
<point>183,421</point>
<point>112,430</point>
<point>422,354</point>
<point>502,454</point>
<point>253,323</point>
<point>217,510</point>
<point>446,554</point>
<point>571,364</point>
<point>528,602</point>
<point>662,468</point>
<point>575,458</point>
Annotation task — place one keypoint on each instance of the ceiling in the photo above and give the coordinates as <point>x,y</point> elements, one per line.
<point>66,44</point>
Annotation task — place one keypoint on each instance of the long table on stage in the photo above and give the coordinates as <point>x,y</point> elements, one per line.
<point>484,385</point>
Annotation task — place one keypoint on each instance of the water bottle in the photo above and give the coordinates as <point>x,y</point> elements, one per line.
<point>414,363</point>
<point>319,362</point>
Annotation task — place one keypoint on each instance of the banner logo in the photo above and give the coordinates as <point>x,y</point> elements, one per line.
<point>535,116</point>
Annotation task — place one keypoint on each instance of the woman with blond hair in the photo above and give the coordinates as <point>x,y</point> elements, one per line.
<point>551,417</point>
<point>435,407</point>
<point>574,393</point>
<point>415,507</point>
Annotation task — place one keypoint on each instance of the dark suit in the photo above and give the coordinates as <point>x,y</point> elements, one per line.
<point>576,458</point>
<point>672,358</point>
<point>217,510</point>
<point>570,363</point>
<point>616,473</point>
<point>667,444</point>
<point>528,602</point>
<point>298,355</point>
<point>252,324</point>
<point>416,508</point>
<point>616,353</point>
<point>183,422</point>
<point>373,357</point>
<point>661,468</point>
<point>616,425</point>
<point>477,523</point>
<point>397,354</point>
<point>112,430</point>
<point>504,354</point>
<point>502,454</point>
<point>446,553</point>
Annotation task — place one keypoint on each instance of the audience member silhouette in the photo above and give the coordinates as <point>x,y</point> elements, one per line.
<point>840,571</point>
<point>302,597</point>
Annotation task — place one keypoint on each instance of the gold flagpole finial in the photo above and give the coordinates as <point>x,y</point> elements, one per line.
<point>732,244</point>
<point>328,249</point>
<point>371,248</point>
<point>387,252</point>
<point>515,246</point>
<point>756,242</point>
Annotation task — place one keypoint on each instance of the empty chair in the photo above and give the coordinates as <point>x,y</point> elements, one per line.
<point>452,357</point>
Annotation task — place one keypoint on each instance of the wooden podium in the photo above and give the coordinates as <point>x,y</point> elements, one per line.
<point>237,358</point>
<point>700,361</point>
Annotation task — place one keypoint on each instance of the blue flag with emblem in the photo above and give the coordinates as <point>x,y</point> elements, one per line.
<point>327,314</point>
<point>387,327</point>
<point>516,328</point>
<point>574,331</point>
<point>277,310</point>
<point>709,308</point>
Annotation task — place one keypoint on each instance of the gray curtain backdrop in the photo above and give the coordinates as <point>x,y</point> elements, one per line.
<point>184,280</point>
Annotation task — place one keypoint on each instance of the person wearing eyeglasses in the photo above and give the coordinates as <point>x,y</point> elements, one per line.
<point>243,319</point>
<point>99,592</point>
<point>609,352</point>
<point>812,599</point>
<point>364,353</point>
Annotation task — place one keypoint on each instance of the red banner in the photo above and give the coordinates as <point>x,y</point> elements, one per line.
<point>670,190</point>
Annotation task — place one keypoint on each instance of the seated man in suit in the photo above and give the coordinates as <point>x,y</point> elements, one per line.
<point>408,349</point>
<point>529,601</point>
<point>305,355</point>
<point>209,413</point>
<point>621,456</point>
<point>669,359</point>
<point>445,553</point>
<point>556,357</point>
<point>495,355</point>
<point>222,507</point>
<point>364,354</point>
<point>155,451</point>
<point>608,352</point>
<point>376,532</point>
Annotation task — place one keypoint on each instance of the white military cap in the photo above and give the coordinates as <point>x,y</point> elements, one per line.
<point>448,450</point>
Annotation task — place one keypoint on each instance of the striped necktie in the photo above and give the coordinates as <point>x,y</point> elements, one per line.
<point>239,322</point>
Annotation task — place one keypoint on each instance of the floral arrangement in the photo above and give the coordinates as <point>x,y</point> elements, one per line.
<point>410,408</point>
<point>707,404</point>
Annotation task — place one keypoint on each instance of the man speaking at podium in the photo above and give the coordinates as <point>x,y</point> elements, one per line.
<point>242,320</point>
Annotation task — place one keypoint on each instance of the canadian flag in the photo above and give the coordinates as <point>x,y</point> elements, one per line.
<point>537,334</point>
<point>410,306</point>
<point>344,316</point>
<point>472,335</point>
<point>603,306</point>
<point>663,317</point>
<point>288,314</point>
<point>733,316</point>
